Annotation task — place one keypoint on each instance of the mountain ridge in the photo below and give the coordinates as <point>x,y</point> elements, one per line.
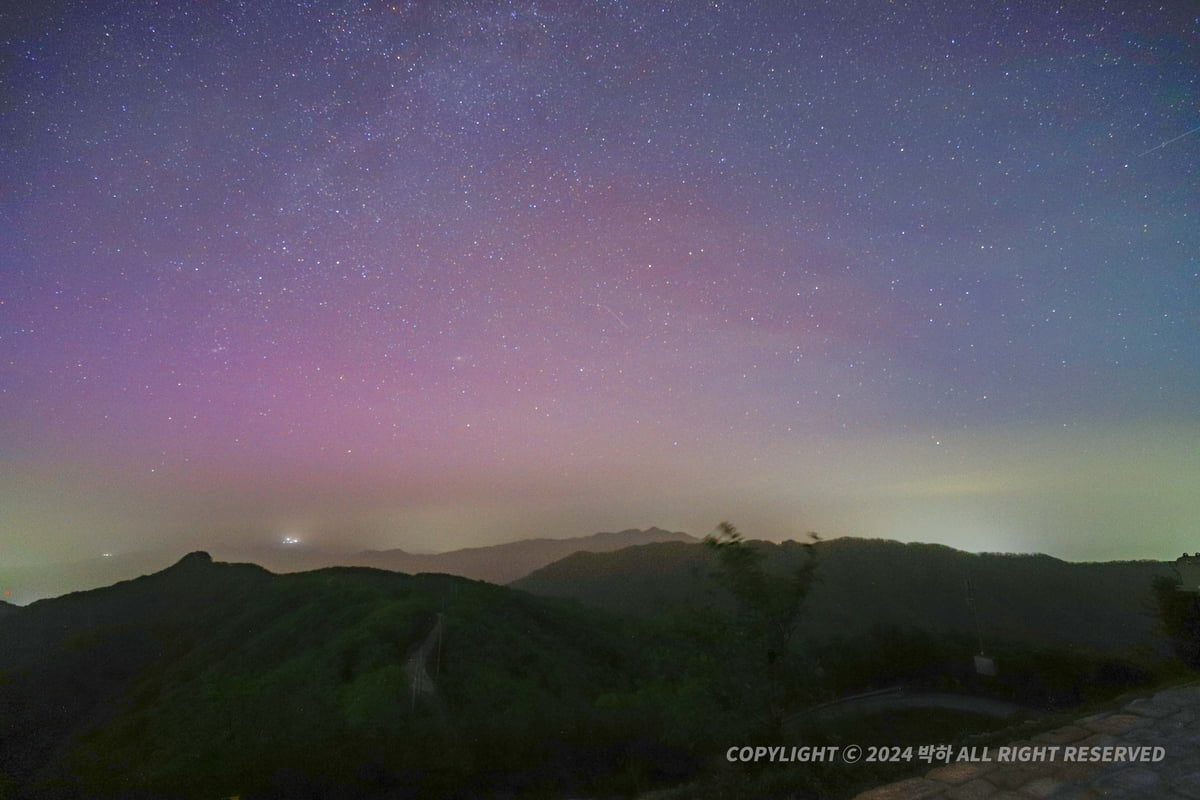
<point>863,582</point>
<point>212,679</point>
<point>504,563</point>
<point>499,564</point>
<point>216,679</point>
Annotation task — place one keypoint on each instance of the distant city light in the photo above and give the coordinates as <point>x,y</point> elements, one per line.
<point>291,540</point>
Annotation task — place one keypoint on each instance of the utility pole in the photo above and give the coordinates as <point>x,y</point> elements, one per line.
<point>983,664</point>
<point>437,661</point>
<point>974,613</point>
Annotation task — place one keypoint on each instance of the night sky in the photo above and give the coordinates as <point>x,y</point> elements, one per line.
<point>442,274</point>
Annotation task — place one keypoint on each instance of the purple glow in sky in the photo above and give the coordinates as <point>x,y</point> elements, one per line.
<point>439,274</point>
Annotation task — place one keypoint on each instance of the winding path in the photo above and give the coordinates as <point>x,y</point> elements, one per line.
<point>417,664</point>
<point>901,698</point>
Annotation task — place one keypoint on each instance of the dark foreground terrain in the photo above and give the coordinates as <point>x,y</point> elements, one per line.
<point>211,680</point>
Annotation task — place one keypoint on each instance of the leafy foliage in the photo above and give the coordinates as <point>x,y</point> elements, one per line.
<point>769,605</point>
<point>1179,613</point>
<point>1039,678</point>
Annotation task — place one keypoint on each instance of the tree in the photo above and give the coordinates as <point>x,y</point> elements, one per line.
<point>769,603</point>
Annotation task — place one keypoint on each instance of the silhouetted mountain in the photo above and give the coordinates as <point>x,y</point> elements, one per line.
<point>658,576</point>
<point>862,583</point>
<point>39,581</point>
<point>213,679</point>
<point>504,563</point>
<point>7,608</point>
<point>496,564</point>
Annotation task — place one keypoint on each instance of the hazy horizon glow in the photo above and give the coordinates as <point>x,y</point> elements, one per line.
<point>436,275</point>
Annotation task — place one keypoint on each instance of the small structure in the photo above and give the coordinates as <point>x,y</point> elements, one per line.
<point>984,665</point>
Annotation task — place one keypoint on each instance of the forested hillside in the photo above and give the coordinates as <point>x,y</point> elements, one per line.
<point>212,680</point>
<point>860,583</point>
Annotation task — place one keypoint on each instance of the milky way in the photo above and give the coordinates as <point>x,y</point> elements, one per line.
<point>446,273</point>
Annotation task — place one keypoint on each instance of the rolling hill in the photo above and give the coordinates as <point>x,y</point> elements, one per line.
<point>864,583</point>
<point>210,679</point>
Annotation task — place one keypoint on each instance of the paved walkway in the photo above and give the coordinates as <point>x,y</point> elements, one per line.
<point>902,698</point>
<point>1155,753</point>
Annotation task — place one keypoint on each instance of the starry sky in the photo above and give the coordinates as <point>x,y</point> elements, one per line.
<point>442,274</point>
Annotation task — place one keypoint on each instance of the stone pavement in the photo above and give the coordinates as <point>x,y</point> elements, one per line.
<point>1068,762</point>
